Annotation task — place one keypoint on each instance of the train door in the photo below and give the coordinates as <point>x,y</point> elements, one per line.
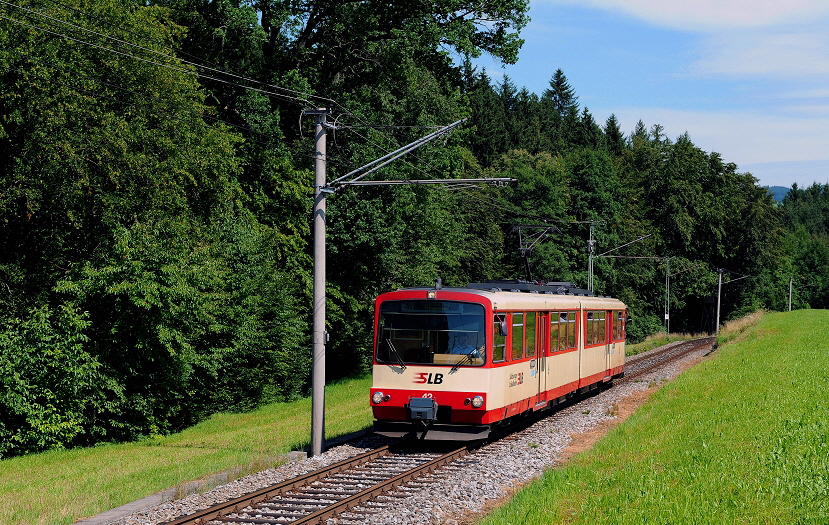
<point>608,340</point>
<point>533,333</point>
<point>541,346</point>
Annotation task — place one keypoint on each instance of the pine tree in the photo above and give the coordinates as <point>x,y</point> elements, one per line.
<point>489,120</point>
<point>561,94</point>
<point>559,112</point>
<point>588,133</point>
<point>614,138</point>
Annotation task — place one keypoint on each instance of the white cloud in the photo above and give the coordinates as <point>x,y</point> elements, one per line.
<point>777,150</point>
<point>766,52</point>
<point>808,109</point>
<point>711,15</point>
<point>807,93</point>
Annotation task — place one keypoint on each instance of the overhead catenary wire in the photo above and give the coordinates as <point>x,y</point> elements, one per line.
<point>301,99</point>
<point>298,100</point>
<point>153,62</point>
<point>149,98</point>
<point>305,101</point>
<point>100,19</point>
<point>215,67</point>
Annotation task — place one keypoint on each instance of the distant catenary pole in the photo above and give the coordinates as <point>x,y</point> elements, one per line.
<point>790,293</point>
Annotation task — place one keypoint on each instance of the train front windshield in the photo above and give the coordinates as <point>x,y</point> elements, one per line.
<point>431,332</point>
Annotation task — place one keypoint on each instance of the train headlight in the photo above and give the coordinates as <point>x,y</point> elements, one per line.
<point>377,397</point>
<point>477,402</point>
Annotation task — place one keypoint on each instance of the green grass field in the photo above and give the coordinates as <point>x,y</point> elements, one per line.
<point>741,438</point>
<point>60,487</point>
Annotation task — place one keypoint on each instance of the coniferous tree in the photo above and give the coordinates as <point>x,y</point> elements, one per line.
<point>561,94</point>
<point>614,138</point>
<point>559,112</point>
<point>528,121</point>
<point>489,120</point>
<point>507,92</point>
<point>588,133</point>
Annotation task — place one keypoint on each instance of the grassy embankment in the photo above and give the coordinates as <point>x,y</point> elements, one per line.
<point>741,438</point>
<point>62,486</point>
<point>657,340</point>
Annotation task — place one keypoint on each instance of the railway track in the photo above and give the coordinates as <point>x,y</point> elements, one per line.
<point>350,489</point>
<point>322,494</point>
<point>640,365</point>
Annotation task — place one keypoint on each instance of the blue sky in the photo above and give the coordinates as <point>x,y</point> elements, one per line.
<point>748,79</point>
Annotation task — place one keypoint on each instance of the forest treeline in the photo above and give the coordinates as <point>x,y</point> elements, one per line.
<point>156,198</point>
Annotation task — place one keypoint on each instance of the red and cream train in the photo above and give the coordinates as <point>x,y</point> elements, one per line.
<point>452,363</point>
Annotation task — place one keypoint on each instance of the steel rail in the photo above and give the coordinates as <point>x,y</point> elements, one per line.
<point>375,490</point>
<point>679,351</point>
<point>235,505</point>
<point>222,511</point>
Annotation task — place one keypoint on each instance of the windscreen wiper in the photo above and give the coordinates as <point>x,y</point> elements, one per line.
<point>466,357</point>
<point>396,355</point>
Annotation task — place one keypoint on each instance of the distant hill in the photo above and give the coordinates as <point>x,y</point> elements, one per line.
<point>778,192</point>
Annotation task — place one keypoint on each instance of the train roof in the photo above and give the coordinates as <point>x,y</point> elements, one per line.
<point>529,295</point>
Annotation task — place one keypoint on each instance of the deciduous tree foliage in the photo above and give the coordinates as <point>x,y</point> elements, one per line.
<point>127,212</point>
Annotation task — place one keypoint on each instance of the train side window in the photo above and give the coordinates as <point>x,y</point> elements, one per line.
<point>554,332</point>
<point>594,328</point>
<point>622,321</point>
<point>601,331</point>
<point>614,325</point>
<point>588,329</point>
<point>518,335</point>
<point>499,338</point>
<point>597,335</point>
<point>529,328</point>
<point>563,331</point>
<point>571,329</point>
<point>563,321</point>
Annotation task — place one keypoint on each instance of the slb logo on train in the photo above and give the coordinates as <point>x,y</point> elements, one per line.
<point>424,378</point>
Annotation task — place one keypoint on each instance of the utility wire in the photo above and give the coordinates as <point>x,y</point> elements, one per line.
<point>100,19</point>
<point>173,57</point>
<point>172,116</point>
<point>160,64</point>
<point>150,98</point>
<point>293,99</point>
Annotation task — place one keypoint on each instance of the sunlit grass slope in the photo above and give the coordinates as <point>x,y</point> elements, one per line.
<point>657,340</point>
<point>60,487</point>
<point>741,438</point>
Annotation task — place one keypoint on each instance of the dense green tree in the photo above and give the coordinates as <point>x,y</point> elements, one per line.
<point>488,119</point>
<point>55,393</point>
<point>561,95</point>
<point>614,138</point>
<point>807,208</point>
<point>588,133</point>
<point>530,134</point>
<point>118,189</point>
